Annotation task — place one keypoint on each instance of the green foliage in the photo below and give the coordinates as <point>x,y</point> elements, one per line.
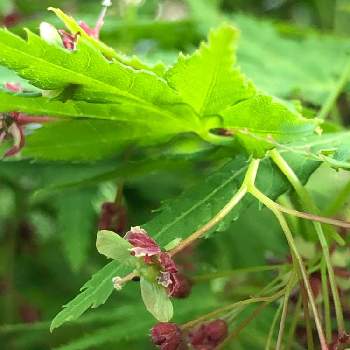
<point>178,219</point>
<point>114,247</point>
<point>153,131</point>
<point>139,99</point>
<point>156,300</point>
<point>289,65</point>
<point>208,80</point>
<point>76,223</point>
<point>93,294</point>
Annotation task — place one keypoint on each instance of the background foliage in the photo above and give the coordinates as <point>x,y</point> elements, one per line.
<point>49,210</point>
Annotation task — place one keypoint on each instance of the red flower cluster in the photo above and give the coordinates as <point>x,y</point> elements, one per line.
<point>168,336</point>
<point>144,246</point>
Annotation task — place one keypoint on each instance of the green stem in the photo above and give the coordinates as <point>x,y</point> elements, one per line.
<point>242,325</point>
<point>237,197</point>
<point>252,269</point>
<point>325,295</point>
<point>284,314</point>
<point>284,225</point>
<point>294,324</point>
<point>273,326</point>
<point>308,203</point>
<point>332,98</point>
<point>230,307</point>
<point>309,333</point>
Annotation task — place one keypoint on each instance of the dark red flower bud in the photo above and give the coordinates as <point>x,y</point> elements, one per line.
<point>29,313</point>
<point>113,217</point>
<point>167,336</point>
<point>315,284</point>
<point>208,336</point>
<point>180,287</point>
<point>11,20</point>
<point>143,244</point>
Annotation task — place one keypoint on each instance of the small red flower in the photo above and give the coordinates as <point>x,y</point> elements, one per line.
<point>166,336</point>
<point>169,277</point>
<point>143,245</point>
<point>208,336</point>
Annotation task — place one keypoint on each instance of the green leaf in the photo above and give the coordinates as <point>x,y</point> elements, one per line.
<point>210,83</point>
<point>93,294</point>
<point>107,51</point>
<point>207,80</point>
<point>51,68</point>
<point>333,148</point>
<point>195,207</point>
<point>176,118</point>
<point>109,335</point>
<point>76,220</point>
<point>114,247</point>
<point>89,139</point>
<point>156,300</point>
<point>264,115</point>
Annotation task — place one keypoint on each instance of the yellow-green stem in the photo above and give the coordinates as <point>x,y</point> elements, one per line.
<point>237,197</point>
<point>284,225</point>
<point>308,203</point>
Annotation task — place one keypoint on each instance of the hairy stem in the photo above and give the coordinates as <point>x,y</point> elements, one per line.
<point>308,203</point>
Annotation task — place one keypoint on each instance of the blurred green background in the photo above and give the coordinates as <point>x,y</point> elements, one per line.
<point>49,211</point>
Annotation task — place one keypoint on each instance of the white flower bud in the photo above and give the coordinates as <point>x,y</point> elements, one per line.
<point>50,34</point>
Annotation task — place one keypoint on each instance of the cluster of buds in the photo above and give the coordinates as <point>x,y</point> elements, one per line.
<point>169,277</point>
<point>207,336</point>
